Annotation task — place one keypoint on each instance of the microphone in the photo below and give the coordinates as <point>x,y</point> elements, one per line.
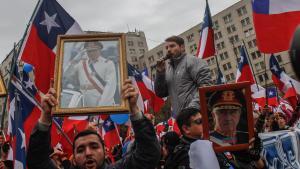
<point>295,52</point>
<point>168,56</point>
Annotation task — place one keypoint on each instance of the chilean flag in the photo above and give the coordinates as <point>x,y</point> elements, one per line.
<point>206,47</point>
<point>38,49</point>
<point>244,72</point>
<point>271,96</point>
<point>21,103</point>
<point>281,79</point>
<point>146,89</point>
<point>275,22</point>
<point>110,134</point>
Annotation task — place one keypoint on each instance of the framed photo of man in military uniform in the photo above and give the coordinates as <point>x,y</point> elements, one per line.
<point>89,71</point>
<point>227,115</point>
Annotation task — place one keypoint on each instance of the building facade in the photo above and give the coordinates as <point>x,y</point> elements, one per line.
<point>233,27</point>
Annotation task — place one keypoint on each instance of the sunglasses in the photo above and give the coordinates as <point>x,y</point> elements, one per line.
<point>197,121</point>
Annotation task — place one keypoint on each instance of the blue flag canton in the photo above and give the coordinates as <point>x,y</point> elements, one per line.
<point>50,21</point>
<point>272,92</point>
<point>274,67</point>
<point>261,6</point>
<point>207,21</point>
<point>244,60</point>
<point>134,72</point>
<point>108,125</point>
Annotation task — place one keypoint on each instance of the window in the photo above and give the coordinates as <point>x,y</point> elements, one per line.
<point>282,68</point>
<point>242,11</point>
<point>151,59</point>
<point>249,32</point>
<point>220,45</point>
<point>263,77</point>
<point>231,29</point>
<point>160,54</point>
<point>193,48</point>
<point>234,39</point>
<point>130,43</point>
<point>134,59</point>
<point>255,55</point>
<point>279,59</point>
<point>237,50</point>
<point>260,66</point>
<point>190,38</point>
<point>141,44</point>
<point>142,51</point>
<point>245,21</point>
<point>210,61</point>
<point>215,25</point>
<point>252,43</point>
<point>232,76</point>
<point>227,18</point>
<point>227,66</point>
<point>224,56</point>
<point>218,35</point>
<point>132,51</point>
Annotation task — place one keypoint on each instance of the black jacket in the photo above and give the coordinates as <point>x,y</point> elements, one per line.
<point>179,158</point>
<point>145,156</point>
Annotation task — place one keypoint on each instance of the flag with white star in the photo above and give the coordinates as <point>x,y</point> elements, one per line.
<point>49,21</point>
<point>110,133</point>
<point>22,92</point>
<point>281,80</point>
<point>38,49</point>
<point>244,72</point>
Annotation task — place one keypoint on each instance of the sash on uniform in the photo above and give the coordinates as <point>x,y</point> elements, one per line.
<point>97,87</point>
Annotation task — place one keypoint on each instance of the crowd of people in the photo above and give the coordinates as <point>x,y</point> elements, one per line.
<point>144,148</point>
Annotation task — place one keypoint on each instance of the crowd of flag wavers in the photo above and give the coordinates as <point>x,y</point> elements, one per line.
<point>187,137</point>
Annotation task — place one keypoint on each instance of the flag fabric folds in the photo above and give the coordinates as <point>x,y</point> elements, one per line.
<point>271,97</point>
<point>110,134</point>
<point>244,72</point>
<point>275,22</point>
<point>146,89</point>
<point>22,92</point>
<point>38,49</point>
<point>281,79</point>
<point>206,47</point>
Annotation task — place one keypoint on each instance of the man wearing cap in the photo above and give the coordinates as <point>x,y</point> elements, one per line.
<point>97,77</point>
<point>226,113</point>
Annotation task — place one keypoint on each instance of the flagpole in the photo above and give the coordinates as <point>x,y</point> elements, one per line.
<point>15,55</point>
<point>117,130</point>
<point>265,74</point>
<point>250,63</point>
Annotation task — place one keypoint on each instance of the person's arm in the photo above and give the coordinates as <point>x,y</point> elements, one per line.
<point>147,151</point>
<point>110,86</point>
<point>200,74</point>
<point>160,83</point>
<point>40,140</point>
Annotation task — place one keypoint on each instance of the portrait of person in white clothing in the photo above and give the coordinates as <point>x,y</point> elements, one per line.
<point>91,79</point>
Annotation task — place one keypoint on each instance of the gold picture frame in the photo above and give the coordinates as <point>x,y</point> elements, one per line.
<point>3,91</point>
<point>89,72</point>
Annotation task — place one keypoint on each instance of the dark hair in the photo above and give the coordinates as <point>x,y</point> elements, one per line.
<point>175,39</point>
<point>85,133</point>
<point>183,118</point>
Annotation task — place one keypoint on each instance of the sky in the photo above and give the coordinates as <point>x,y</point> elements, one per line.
<point>159,19</point>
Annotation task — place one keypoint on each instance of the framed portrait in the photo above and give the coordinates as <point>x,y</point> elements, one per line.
<point>227,115</point>
<point>3,91</point>
<point>89,72</point>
